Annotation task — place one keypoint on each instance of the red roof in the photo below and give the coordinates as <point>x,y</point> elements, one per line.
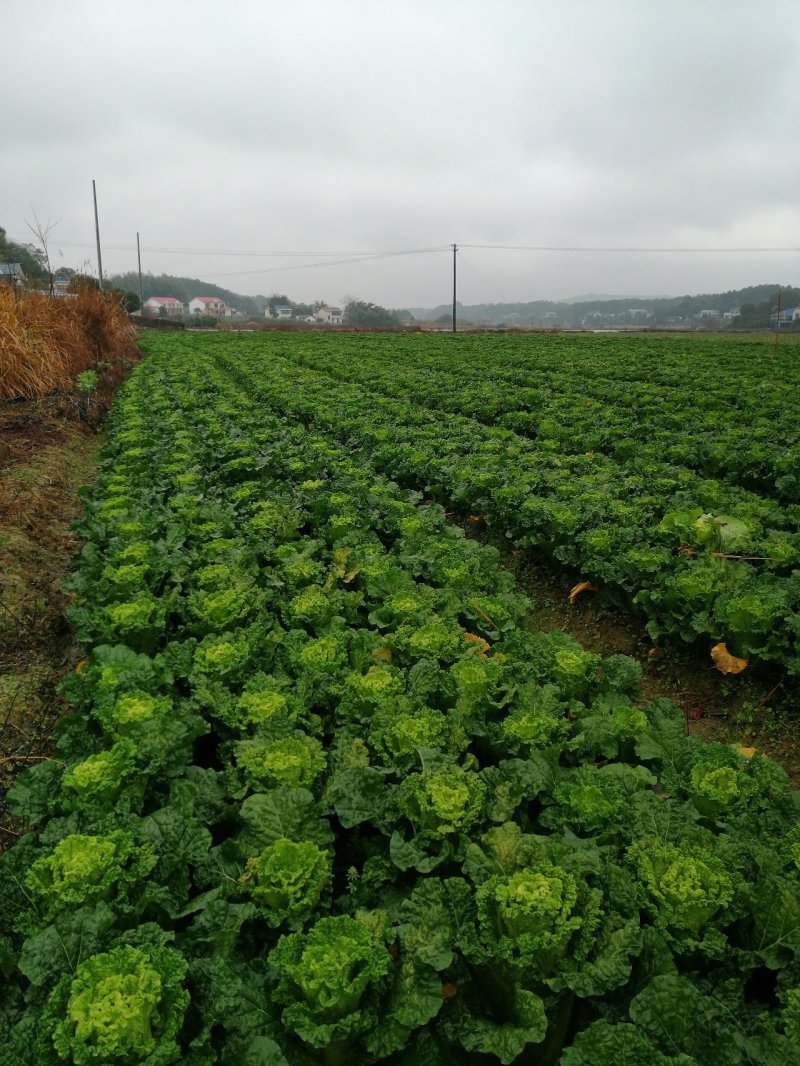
<point>209,299</point>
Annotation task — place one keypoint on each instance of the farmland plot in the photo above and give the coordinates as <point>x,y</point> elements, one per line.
<point>324,798</point>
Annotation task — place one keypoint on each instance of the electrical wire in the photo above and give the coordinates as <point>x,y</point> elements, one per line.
<point>159,250</point>
<point>614,249</point>
<point>327,263</point>
<point>483,277</point>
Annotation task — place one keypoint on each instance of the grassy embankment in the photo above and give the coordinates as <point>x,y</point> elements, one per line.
<point>48,445</point>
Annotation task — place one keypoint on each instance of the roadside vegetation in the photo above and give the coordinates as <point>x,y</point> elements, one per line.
<point>61,361</point>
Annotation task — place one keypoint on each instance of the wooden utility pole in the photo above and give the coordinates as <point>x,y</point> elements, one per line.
<point>139,260</point>
<point>778,321</point>
<point>97,234</point>
<point>455,249</point>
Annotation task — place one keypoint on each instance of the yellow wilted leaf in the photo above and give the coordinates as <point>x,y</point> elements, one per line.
<point>382,654</point>
<point>582,586</point>
<point>483,645</point>
<point>746,753</point>
<point>81,667</point>
<point>448,991</point>
<point>725,662</point>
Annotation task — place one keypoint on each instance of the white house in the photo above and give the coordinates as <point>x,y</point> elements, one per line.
<point>331,316</point>
<point>208,305</point>
<point>163,305</point>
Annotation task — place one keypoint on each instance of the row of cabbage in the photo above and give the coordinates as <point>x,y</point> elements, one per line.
<point>723,407</point>
<point>323,798</point>
<point>704,561</point>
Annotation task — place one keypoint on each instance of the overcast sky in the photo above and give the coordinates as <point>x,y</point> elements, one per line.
<point>369,126</point>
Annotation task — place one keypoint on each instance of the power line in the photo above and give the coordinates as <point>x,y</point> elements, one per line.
<point>328,263</point>
<point>613,249</point>
<point>481,276</point>
<point>160,250</point>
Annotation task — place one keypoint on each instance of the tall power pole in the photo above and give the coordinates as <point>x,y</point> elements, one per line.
<point>778,321</point>
<point>97,234</point>
<point>455,249</point>
<point>139,260</point>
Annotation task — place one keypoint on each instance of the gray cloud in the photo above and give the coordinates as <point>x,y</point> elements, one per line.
<point>321,126</point>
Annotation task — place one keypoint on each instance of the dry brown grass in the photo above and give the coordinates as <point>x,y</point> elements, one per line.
<point>46,342</point>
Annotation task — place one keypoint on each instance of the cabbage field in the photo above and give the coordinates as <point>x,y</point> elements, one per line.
<point>324,797</point>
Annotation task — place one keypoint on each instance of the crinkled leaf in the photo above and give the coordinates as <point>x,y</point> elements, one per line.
<point>506,1040</point>
<point>358,795</point>
<point>772,930</point>
<point>62,946</point>
<point>677,1016</point>
<point>406,855</point>
<point>425,926</point>
<point>32,794</point>
<point>415,998</point>
<point>215,929</point>
<point>290,813</point>
<point>253,1051</point>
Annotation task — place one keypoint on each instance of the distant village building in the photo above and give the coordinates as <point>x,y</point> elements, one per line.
<point>331,316</point>
<point>788,316</point>
<point>209,305</point>
<point>12,274</point>
<point>280,311</point>
<point>163,306</point>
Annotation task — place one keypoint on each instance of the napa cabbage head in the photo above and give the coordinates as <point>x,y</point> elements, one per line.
<point>685,886</point>
<point>294,761</point>
<point>397,734</point>
<point>257,707</point>
<point>126,579</point>
<point>329,978</point>
<point>364,695</point>
<point>789,848</point>
<point>723,782</point>
<point>274,520</point>
<point>131,711</point>
<point>287,879</point>
<point>536,720</point>
<point>719,781</point>
<point>311,608</point>
<point>222,658</point>
<point>791,1015</point>
<point>83,869</point>
<point>124,1006</point>
<point>137,622</point>
<point>100,777</point>
<point>441,801</point>
<point>437,639</point>
<point>322,657</point>
<point>218,610</point>
<point>529,917</point>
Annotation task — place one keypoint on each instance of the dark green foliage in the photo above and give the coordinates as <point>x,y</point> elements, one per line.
<point>323,797</point>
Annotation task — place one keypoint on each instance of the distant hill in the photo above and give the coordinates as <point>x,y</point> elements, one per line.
<point>598,297</point>
<point>756,302</point>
